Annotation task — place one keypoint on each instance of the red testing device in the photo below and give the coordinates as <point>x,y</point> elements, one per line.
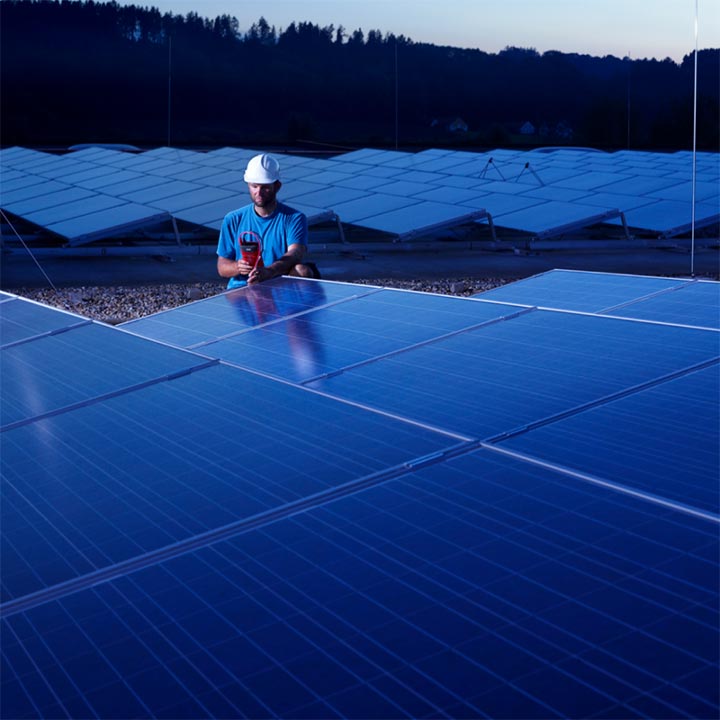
<point>251,249</point>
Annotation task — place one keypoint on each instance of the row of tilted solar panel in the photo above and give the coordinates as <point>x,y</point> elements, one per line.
<point>97,191</point>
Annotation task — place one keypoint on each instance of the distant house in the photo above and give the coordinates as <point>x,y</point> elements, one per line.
<point>527,128</point>
<point>452,125</point>
<point>563,131</point>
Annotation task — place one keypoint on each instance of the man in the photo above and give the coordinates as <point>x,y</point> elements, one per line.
<point>280,231</point>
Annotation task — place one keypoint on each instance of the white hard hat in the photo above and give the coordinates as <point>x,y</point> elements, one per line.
<point>262,169</point>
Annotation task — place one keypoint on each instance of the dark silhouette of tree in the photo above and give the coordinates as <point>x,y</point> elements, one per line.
<point>74,71</point>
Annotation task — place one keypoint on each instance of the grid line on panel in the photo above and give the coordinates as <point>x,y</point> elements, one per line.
<point>397,570</point>
<point>256,645</point>
<point>461,505</point>
<point>366,656</point>
<point>602,400</point>
<point>279,320</point>
<point>602,482</point>
<point>182,547</point>
<point>208,362</point>
<point>642,298</point>
<point>422,343</point>
<point>57,331</point>
<point>543,523</point>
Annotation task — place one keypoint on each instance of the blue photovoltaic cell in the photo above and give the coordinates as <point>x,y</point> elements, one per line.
<point>551,216</point>
<point>694,303</point>
<point>86,489</point>
<point>356,211</point>
<point>162,189</point>
<point>582,291</point>
<point>85,228</point>
<point>70,210</point>
<point>328,197</point>
<point>75,366</point>
<point>341,335</point>
<point>193,199</point>
<point>61,197</point>
<point>480,588</point>
<point>22,320</point>
<point>661,440</point>
<point>499,204</point>
<point>27,191</point>
<point>671,216</point>
<point>241,309</point>
<point>16,181</point>
<point>423,216</point>
<point>502,376</point>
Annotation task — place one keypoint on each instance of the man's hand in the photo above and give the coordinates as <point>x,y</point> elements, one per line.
<point>281,266</point>
<point>259,274</point>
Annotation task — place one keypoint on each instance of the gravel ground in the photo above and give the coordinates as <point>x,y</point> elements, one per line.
<point>119,304</point>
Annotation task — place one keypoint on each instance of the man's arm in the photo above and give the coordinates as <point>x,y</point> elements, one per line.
<point>227,268</point>
<point>281,266</point>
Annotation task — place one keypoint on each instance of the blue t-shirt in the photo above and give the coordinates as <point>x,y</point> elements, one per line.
<point>277,232</point>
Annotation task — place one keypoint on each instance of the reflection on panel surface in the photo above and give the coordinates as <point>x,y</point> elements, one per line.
<point>582,291</point>
<point>23,320</point>
<point>332,338</point>
<point>118,478</point>
<point>79,365</point>
<point>237,310</point>
<point>504,375</point>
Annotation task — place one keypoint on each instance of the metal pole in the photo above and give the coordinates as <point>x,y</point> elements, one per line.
<point>169,93</point>
<point>396,96</point>
<point>694,151</point>
<point>628,98</point>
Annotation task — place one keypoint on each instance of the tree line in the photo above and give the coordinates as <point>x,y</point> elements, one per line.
<point>75,72</point>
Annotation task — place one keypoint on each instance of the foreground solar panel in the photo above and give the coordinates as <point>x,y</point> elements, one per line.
<point>465,610</point>
<point>482,509</point>
<point>671,300</point>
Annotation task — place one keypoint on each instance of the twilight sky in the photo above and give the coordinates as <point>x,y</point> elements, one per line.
<point>641,28</point>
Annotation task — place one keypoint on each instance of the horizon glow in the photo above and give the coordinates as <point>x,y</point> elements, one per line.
<point>640,29</point>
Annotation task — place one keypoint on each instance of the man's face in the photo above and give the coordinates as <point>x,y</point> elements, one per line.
<point>263,196</point>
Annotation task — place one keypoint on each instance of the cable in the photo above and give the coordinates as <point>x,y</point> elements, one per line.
<point>12,227</point>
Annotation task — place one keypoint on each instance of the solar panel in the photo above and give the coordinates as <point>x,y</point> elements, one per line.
<point>97,510</point>
<point>553,217</point>
<point>42,377</point>
<point>610,442</point>
<point>162,190</point>
<point>671,217</point>
<point>654,188</point>
<point>355,211</point>
<point>343,334</point>
<point>482,510</point>
<point>194,198</point>
<point>430,595</point>
<point>234,311</point>
<point>112,221</point>
<point>21,320</point>
<point>540,364</point>
<point>581,291</point>
<point>693,303</point>
<point>94,203</point>
<point>49,200</point>
<point>424,216</point>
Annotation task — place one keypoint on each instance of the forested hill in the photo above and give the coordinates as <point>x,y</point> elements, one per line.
<point>74,72</point>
